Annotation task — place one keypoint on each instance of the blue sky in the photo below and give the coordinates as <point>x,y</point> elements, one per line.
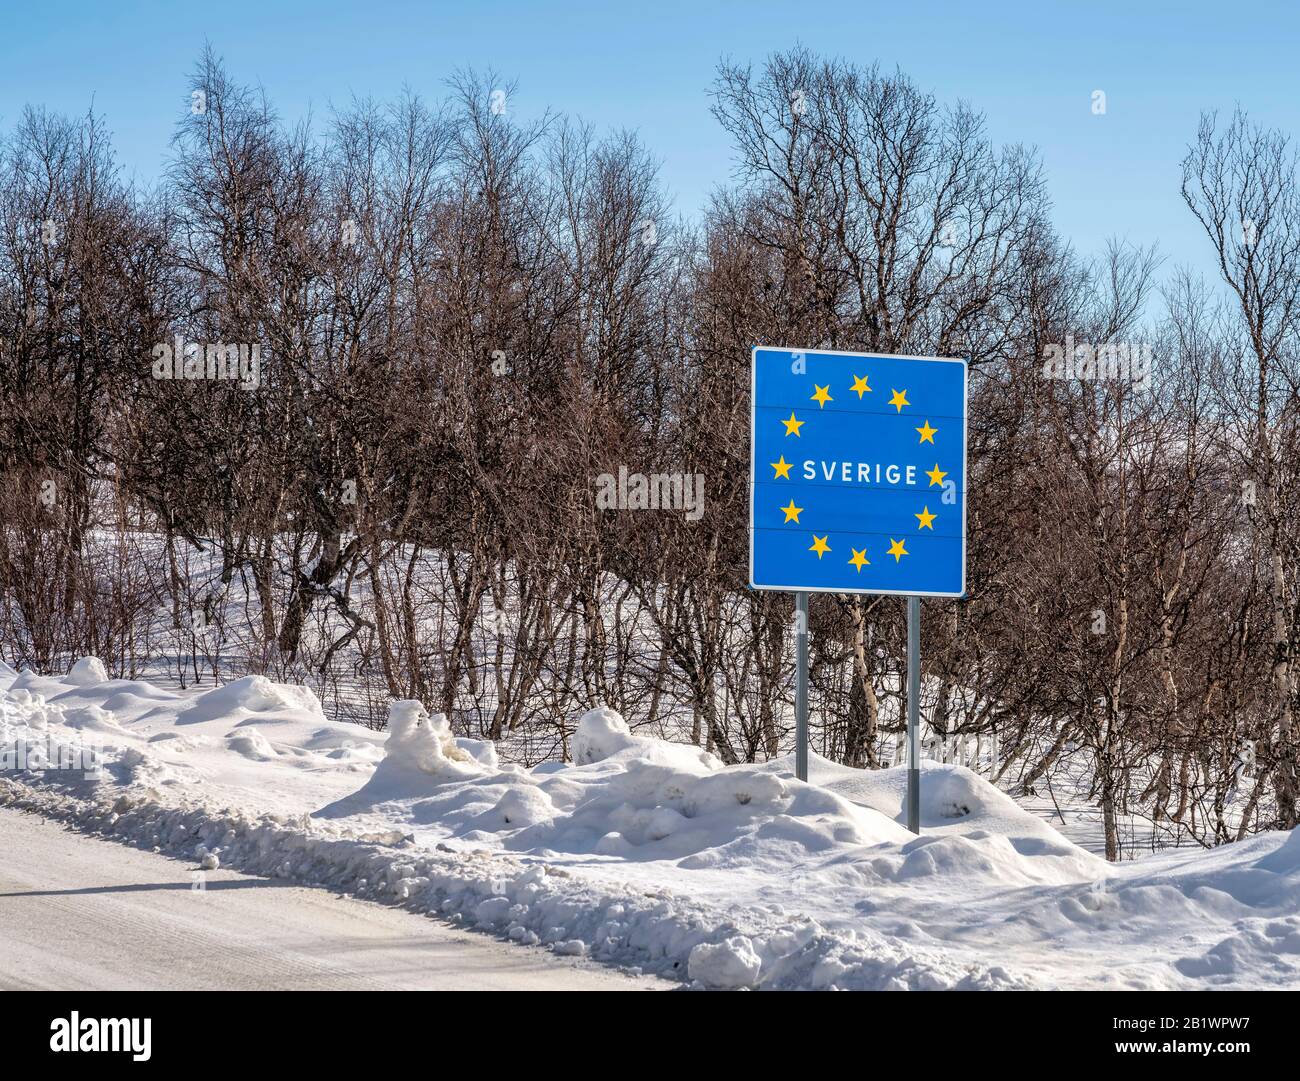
<point>1031,67</point>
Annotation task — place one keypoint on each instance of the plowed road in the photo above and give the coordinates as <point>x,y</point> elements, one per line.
<point>80,913</point>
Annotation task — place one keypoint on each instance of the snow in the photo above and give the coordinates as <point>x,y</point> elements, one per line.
<point>729,964</point>
<point>964,820</point>
<point>602,734</point>
<point>652,854</point>
<point>87,672</point>
<point>250,695</point>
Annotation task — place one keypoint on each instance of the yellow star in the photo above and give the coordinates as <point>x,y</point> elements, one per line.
<point>897,550</point>
<point>860,385</point>
<point>782,468</point>
<point>792,512</point>
<point>792,426</point>
<point>822,395</point>
<point>936,475</point>
<point>819,545</point>
<point>859,559</point>
<point>927,519</point>
<point>927,433</point>
<point>899,399</point>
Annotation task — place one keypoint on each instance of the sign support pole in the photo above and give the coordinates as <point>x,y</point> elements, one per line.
<point>914,714</point>
<point>801,686</point>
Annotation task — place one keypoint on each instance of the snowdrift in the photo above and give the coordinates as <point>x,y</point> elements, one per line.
<point>628,798</point>
<point>251,739</point>
<point>646,853</point>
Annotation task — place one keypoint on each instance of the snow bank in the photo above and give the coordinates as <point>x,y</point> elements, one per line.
<point>420,755</point>
<point>655,930</point>
<point>967,825</point>
<point>626,797</point>
<point>252,740</point>
<point>251,695</point>
<point>651,854</point>
<point>602,734</point>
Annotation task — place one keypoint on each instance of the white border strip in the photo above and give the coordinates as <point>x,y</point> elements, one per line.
<point>753,462</point>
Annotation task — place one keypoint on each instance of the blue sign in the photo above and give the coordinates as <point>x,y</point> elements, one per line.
<point>857,473</point>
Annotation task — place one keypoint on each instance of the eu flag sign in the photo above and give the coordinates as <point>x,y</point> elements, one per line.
<point>857,473</point>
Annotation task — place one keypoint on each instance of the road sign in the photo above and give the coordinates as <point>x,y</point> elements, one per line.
<point>857,484</point>
<point>857,473</point>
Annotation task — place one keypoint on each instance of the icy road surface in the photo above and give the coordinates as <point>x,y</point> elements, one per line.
<point>79,913</point>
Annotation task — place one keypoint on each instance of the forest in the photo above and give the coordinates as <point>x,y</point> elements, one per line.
<point>342,403</point>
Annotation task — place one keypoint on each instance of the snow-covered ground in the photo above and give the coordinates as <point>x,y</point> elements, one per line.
<point>648,854</point>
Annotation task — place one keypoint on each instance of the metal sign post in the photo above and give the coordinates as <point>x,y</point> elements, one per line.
<point>801,686</point>
<point>914,714</point>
